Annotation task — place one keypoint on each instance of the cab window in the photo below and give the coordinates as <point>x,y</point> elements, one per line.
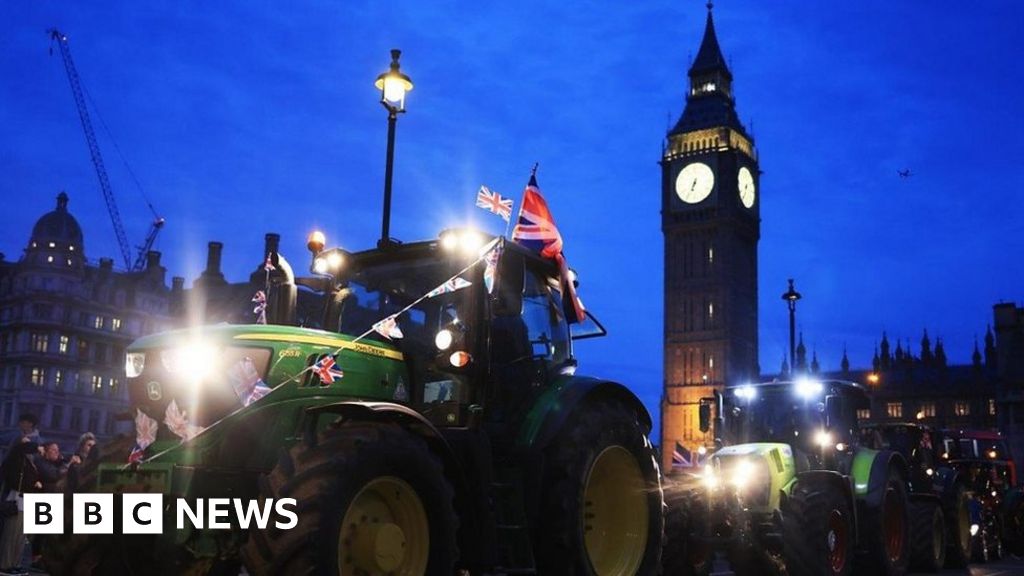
<point>546,325</point>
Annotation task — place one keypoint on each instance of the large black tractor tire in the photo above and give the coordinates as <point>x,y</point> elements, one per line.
<point>885,530</point>
<point>958,522</point>
<point>685,516</point>
<point>817,531</point>
<point>371,499</point>
<point>928,536</point>
<point>1013,522</point>
<point>602,511</point>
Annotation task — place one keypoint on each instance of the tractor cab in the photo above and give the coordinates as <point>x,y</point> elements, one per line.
<point>918,444</point>
<point>815,418</point>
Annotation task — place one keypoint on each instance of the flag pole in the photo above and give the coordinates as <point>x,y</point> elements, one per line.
<point>533,174</point>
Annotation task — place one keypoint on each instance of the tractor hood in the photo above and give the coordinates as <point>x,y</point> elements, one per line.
<point>757,471</point>
<point>190,379</point>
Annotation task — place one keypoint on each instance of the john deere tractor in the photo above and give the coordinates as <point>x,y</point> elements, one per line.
<point>791,488</point>
<point>433,422</point>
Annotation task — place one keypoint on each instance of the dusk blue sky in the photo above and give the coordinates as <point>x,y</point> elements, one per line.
<point>248,117</point>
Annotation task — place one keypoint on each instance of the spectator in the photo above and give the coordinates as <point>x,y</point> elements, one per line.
<point>82,461</point>
<point>51,467</point>
<point>19,476</point>
<point>26,429</point>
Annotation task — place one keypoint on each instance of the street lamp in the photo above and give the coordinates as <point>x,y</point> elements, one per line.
<point>393,86</point>
<point>791,296</point>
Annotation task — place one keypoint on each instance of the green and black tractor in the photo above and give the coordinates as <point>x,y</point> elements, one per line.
<point>791,488</point>
<point>461,439</point>
<point>941,497</point>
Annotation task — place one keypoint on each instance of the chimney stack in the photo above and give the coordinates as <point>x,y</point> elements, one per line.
<point>177,284</point>
<point>106,264</point>
<point>213,258</point>
<point>152,259</point>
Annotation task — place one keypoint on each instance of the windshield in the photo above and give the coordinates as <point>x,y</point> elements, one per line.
<point>774,414</point>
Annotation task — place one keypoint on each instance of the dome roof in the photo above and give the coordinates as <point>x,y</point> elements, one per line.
<point>58,226</point>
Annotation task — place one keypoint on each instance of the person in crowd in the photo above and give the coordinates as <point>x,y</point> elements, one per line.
<point>26,431</point>
<point>19,476</point>
<point>52,467</point>
<point>82,461</point>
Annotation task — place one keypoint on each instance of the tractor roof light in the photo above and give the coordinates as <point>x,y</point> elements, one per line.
<point>464,241</point>
<point>745,392</point>
<point>808,389</point>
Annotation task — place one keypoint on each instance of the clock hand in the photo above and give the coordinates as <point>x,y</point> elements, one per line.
<point>692,186</point>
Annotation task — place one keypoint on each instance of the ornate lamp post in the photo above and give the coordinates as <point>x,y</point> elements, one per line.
<point>393,86</point>
<point>791,296</point>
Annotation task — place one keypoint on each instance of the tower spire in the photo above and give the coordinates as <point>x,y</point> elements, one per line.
<point>709,56</point>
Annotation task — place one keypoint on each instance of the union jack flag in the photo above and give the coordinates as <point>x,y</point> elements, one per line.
<point>260,308</point>
<point>493,202</point>
<point>325,369</point>
<point>136,454</point>
<point>491,267</point>
<point>388,328</point>
<point>681,457</point>
<point>536,230</point>
<point>268,265</point>
<point>452,285</point>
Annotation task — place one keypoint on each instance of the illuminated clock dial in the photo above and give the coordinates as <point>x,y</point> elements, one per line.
<point>746,186</point>
<point>694,182</point>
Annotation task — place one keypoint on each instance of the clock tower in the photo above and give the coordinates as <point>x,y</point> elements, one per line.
<point>710,216</point>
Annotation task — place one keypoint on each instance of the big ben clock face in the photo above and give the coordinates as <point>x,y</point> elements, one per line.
<point>694,182</point>
<point>746,186</point>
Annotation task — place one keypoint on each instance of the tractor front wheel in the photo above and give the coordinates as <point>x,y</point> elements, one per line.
<point>928,533</point>
<point>958,521</point>
<point>602,499</point>
<point>887,531</point>
<point>372,499</point>
<point>685,553</point>
<point>817,525</point>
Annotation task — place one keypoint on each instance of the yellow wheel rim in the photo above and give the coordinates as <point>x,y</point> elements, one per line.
<point>384,531</point>
<point>615,513</point>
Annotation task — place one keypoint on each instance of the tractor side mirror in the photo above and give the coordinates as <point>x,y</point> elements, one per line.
<point>705,417</point>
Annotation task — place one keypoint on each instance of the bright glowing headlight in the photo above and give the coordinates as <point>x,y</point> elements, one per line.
<point>974,529</point>
<point>134,364</point>
<point>709,478</point>
<point>470,242</point>
<point>449,240</point>
<point>823,439</point>
<point>741,474</point>
<point>194,361</point>
<point>320,266</point>
<point>745,392</point>
<point>335,260</point>
<point>808,388</point>
<point>443,339</point>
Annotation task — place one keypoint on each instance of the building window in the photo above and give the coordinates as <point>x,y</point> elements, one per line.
<point>38,376</point>
<point>97,322</point>
<point>109,428</point>
<point>56,417</point>
<point>97,384</point>
<point>8,413</point>
<point>58,379</point>
<point>863,413</point>
<point>112,383</point>
<point>76,419</point>
<point>991,406</point>
<point>115,324</point>
<point>927,410</point>
<point>894,409</point>
<point>94,420</point>
<point>39,342</point>
<point>76,382</point>
<point>711,255</point>
<point>62,346</point>
<point>83,349</point>
<point>962,408</point>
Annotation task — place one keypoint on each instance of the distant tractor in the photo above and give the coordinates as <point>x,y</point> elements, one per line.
<point>792,488</point>
<point>462,440</point>
<point>941,498</point>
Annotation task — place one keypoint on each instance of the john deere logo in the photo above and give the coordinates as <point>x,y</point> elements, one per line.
<point>153,391</point>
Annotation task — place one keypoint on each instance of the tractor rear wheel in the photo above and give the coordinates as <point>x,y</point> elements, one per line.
<point>685,515</point>
<point>817,530</point>
<point>602,501</point>
<point>928,534</point>
<point>1013,522</point>
<point>886,529</point>
<point>958,521</point>
<point>371,499</point>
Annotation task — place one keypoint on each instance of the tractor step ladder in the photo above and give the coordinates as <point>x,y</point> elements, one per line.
<point>515,548</point>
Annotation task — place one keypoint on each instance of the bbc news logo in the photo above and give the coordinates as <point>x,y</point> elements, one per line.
<point>144,513</point>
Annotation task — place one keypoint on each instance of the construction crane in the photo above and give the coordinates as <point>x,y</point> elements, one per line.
<point>97,161</point>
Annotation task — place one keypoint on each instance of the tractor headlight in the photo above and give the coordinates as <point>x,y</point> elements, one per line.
<point>443,339</point>
<point>464,240</point>
<point>740,474</point>
<point>134,364</point>
<point>710,478</point>
<point>745,393</point>
<point>974,529</point>
<point>823,439</point>
<point>194,360</point>
<point>808,389</point>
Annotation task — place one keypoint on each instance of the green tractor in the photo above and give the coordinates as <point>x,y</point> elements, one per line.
<point>940,496</point>
<point>791,488</point>
<point>469,443</point>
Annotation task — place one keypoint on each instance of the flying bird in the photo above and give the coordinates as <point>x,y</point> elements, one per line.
<point>904,173</point>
